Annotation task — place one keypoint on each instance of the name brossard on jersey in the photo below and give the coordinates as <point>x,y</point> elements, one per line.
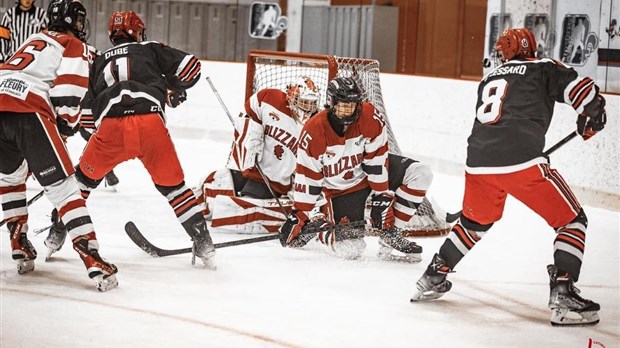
<point>65,66</point>
<point>511,122</point>
<point>270,109</point>
<point>115,94</point>
<point>337,164</point>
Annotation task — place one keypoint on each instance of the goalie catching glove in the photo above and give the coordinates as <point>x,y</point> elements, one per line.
<point>250,141</point>
<point>381,210</point>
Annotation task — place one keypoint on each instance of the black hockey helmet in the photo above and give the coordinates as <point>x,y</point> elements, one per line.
<point>344,90</point>
<point>68,15</point>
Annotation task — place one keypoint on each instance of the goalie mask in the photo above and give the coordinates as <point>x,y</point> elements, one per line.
<point>515,43</point>
<point>303,98</point>
<point>344,99</point>
<point>68,15</point>
<point>126,26</point>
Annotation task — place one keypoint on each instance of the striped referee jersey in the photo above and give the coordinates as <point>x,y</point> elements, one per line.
<point>17,25</point>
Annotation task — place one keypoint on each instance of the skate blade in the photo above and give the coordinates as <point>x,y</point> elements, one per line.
<point>105,284</point>
<point>50,251</point>
<point>421,296</point>
<point>404,258</point>
<point>24,267</point>
<point>564,317</point>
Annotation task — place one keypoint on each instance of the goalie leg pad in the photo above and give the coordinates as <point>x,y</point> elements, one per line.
<point>247,215</point>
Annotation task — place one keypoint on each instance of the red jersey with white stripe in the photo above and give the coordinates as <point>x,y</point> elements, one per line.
<point>270,109</point>
<point>47,75</point>
<point>337,165</point>
<point>514,109</point>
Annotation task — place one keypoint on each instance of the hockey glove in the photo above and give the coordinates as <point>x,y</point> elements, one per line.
<point>64,129</point>
<point>175,98</point>
<point>292,227</point>
<point>588,127</point>
<point>381,210</point>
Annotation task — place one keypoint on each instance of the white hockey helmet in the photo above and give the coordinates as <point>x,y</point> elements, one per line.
<point>303,98</point>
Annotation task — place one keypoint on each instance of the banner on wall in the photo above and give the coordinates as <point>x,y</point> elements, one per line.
<point>266,21</point>
<point>579,39</point>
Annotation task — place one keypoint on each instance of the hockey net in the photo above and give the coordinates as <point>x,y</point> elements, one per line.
<point>272,69</point>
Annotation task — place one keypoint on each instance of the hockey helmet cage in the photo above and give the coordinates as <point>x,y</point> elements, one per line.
<point>344,90</point>
<point>303,98</point>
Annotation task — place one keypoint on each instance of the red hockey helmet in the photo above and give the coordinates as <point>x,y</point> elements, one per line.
<point>515,43</point>
<point>126,25</point>
<point>303,98</point>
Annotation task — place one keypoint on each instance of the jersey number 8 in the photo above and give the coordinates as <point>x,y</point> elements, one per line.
<point>492,97</point>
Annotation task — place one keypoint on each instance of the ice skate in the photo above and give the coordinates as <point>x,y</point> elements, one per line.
<point>111,180</point>
<point>394,247</point>
<point>24,253</point>
<point>99,270</point>
<point>433,283</point>
<point>567,307</point>
<point>56,237</point>
<point>203,247</point>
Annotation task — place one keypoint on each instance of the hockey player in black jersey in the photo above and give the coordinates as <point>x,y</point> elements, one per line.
<point>131,84</point>
<point>505,156</point>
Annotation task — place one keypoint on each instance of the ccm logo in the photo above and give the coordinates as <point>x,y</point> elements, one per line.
<point>380,204</point>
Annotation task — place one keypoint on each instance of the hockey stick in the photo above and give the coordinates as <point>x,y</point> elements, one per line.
<point>260,171</point>
<point>30,201</point>
<point>452,217</point>
<point>138,238</point>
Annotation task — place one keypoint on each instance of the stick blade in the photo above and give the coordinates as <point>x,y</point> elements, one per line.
<point>138,238</point>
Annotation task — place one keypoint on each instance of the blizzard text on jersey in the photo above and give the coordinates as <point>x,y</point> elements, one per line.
<point>345,163</point>
<point>283,137</point>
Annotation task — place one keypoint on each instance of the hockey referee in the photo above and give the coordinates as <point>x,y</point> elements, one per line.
<point>17,24</point>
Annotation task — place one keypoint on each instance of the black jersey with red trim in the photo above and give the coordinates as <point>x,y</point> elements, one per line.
<point>514,110</point>
<point>133,78</point>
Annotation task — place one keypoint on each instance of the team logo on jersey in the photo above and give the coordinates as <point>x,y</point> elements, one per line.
<point>274,116</point>
<point>348,175</point>
<point>278,151</point>
<point>578,42</point>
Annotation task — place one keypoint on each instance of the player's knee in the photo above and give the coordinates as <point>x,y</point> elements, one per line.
<point>580,219</point>
<point>166,190</point>
<point>90,184</point>
<point>418,176</point>
<point>62,191</point>
<point>472,225</point>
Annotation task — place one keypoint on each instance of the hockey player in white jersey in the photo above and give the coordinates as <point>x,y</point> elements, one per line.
<point>237,197</point>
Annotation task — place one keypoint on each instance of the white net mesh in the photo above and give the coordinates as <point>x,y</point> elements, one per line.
<point>277,71</point>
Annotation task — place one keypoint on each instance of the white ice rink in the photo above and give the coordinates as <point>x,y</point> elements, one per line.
<point>263,295</point>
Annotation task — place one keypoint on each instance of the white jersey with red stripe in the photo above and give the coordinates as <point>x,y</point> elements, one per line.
<point>47,75</point>
<point>338,164</point>
<point>270,109</point>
